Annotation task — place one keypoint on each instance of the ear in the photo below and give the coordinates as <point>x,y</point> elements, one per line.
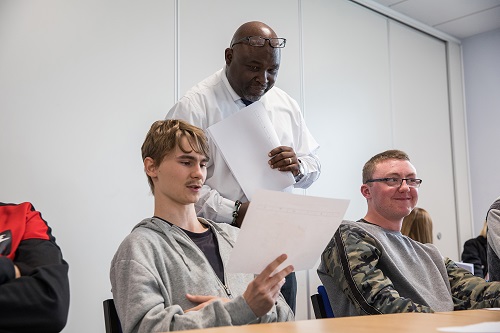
<point>228,55</point>
<point>366,191</point>
<point>149,167</point>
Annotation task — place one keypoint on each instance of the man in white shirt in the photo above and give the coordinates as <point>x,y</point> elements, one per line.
<point>251,67</point>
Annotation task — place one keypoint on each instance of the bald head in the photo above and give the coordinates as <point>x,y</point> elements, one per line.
<point>253,28</point>
<point>252,69</point>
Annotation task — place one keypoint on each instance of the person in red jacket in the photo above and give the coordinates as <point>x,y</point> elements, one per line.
<point>34,286</point>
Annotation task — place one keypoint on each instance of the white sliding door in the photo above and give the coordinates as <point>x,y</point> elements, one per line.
<point>373,84</point>
<point>422,124</point>
<point>347,96</point>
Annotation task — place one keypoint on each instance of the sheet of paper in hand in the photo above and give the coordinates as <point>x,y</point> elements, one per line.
<point>280,222</point>
<point>244,139</point>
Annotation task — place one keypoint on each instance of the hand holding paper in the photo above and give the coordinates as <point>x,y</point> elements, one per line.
<point>250,131</point>
<point>263,291</point>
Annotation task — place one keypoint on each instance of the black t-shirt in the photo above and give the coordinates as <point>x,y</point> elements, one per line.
<point>207,242</point>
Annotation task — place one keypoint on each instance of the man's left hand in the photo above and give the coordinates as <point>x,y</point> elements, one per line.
<point>203,300</point>
<point>284,158</point>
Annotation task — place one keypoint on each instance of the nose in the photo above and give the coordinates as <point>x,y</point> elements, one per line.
<point>199,172</point>
<point>404,186</point>
<point>263,77</point>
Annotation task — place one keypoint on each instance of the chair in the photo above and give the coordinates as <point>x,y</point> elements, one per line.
<point>321,304</point>
<point>111,320</point>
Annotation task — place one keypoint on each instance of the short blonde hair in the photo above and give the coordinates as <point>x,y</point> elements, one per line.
<point>165,135</point>
<point>418,225</point>
<point>369,167</point>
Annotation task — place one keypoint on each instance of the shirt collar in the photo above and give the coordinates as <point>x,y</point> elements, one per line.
<point>234,95</point>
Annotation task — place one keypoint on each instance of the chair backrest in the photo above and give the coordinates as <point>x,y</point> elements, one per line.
<point>326,301</point>
<point>318,307</point>
<point>111,320</point>
<point>321,305</point>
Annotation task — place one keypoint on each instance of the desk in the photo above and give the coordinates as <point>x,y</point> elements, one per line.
<point>389,323</point>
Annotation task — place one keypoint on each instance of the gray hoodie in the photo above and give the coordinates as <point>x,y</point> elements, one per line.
<point>493,251</point>
<point>157,264</point>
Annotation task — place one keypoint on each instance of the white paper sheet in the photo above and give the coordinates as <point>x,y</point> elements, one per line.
<point>280,222</point>
<point>484,327</point>
<point>244,139</point>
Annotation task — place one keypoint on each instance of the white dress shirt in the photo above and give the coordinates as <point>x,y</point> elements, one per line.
<point>213,100</point>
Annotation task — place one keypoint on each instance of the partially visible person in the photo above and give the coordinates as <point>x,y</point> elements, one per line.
<point>493,253</point>
<point>369,267</point>
<point>475,250</point>
<point>169,272</point>
<point>252,63</point>
<point>34,286</point>
<point>418,225</point>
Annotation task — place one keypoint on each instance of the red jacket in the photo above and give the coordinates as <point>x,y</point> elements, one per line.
<point>38,301</point>
<point>18,223</point>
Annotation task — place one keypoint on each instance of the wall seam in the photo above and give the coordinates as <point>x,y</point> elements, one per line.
<point>176,50</point>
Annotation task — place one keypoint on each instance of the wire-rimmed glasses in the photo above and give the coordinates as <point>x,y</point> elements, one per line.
<point>261,41</point>
<point>397,182</point>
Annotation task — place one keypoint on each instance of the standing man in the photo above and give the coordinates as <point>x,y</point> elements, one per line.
<point>369,267</point>
<point>252,65</point>
<point>169,273</point>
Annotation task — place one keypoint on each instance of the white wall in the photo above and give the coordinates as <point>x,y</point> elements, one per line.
<point>81,82</point>
<point>481,57</point>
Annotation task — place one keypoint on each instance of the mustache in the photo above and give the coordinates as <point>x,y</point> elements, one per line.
<point>195,183</point>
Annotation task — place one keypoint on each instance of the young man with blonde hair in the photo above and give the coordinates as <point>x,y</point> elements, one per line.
<point>168,274</point>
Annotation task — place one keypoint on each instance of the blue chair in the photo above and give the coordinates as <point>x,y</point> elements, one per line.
<point>321,304</point>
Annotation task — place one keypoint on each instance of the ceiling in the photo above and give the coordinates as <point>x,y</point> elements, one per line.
<point>457,18</point>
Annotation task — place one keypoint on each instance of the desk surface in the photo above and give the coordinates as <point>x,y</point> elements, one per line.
<point>389,323</point>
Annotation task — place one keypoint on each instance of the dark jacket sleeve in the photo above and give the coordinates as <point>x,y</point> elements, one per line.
<point>471,255</point>
<point>7,271</point>
<point>351,259</point>
<point>38,301</point>
<point>469,291</point>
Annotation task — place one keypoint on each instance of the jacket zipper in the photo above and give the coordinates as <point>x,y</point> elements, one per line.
<point>226,288</point>
<point>228,291</point>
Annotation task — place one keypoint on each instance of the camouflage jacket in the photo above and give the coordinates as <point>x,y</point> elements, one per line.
<point>369,270</point>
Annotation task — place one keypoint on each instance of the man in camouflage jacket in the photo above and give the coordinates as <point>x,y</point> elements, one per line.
<point>369,267</point>
<point>493,250</point>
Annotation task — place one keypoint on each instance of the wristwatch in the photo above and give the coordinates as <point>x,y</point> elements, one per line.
<point>300,175</point>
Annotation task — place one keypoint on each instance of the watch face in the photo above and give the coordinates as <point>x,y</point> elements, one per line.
<point>298,177</point>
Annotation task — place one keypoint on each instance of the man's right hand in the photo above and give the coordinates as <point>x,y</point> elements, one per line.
<point>262,293</point>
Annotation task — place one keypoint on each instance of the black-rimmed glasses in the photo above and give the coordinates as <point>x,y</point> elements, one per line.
<point>261,41</point>
<point>397,182</point>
